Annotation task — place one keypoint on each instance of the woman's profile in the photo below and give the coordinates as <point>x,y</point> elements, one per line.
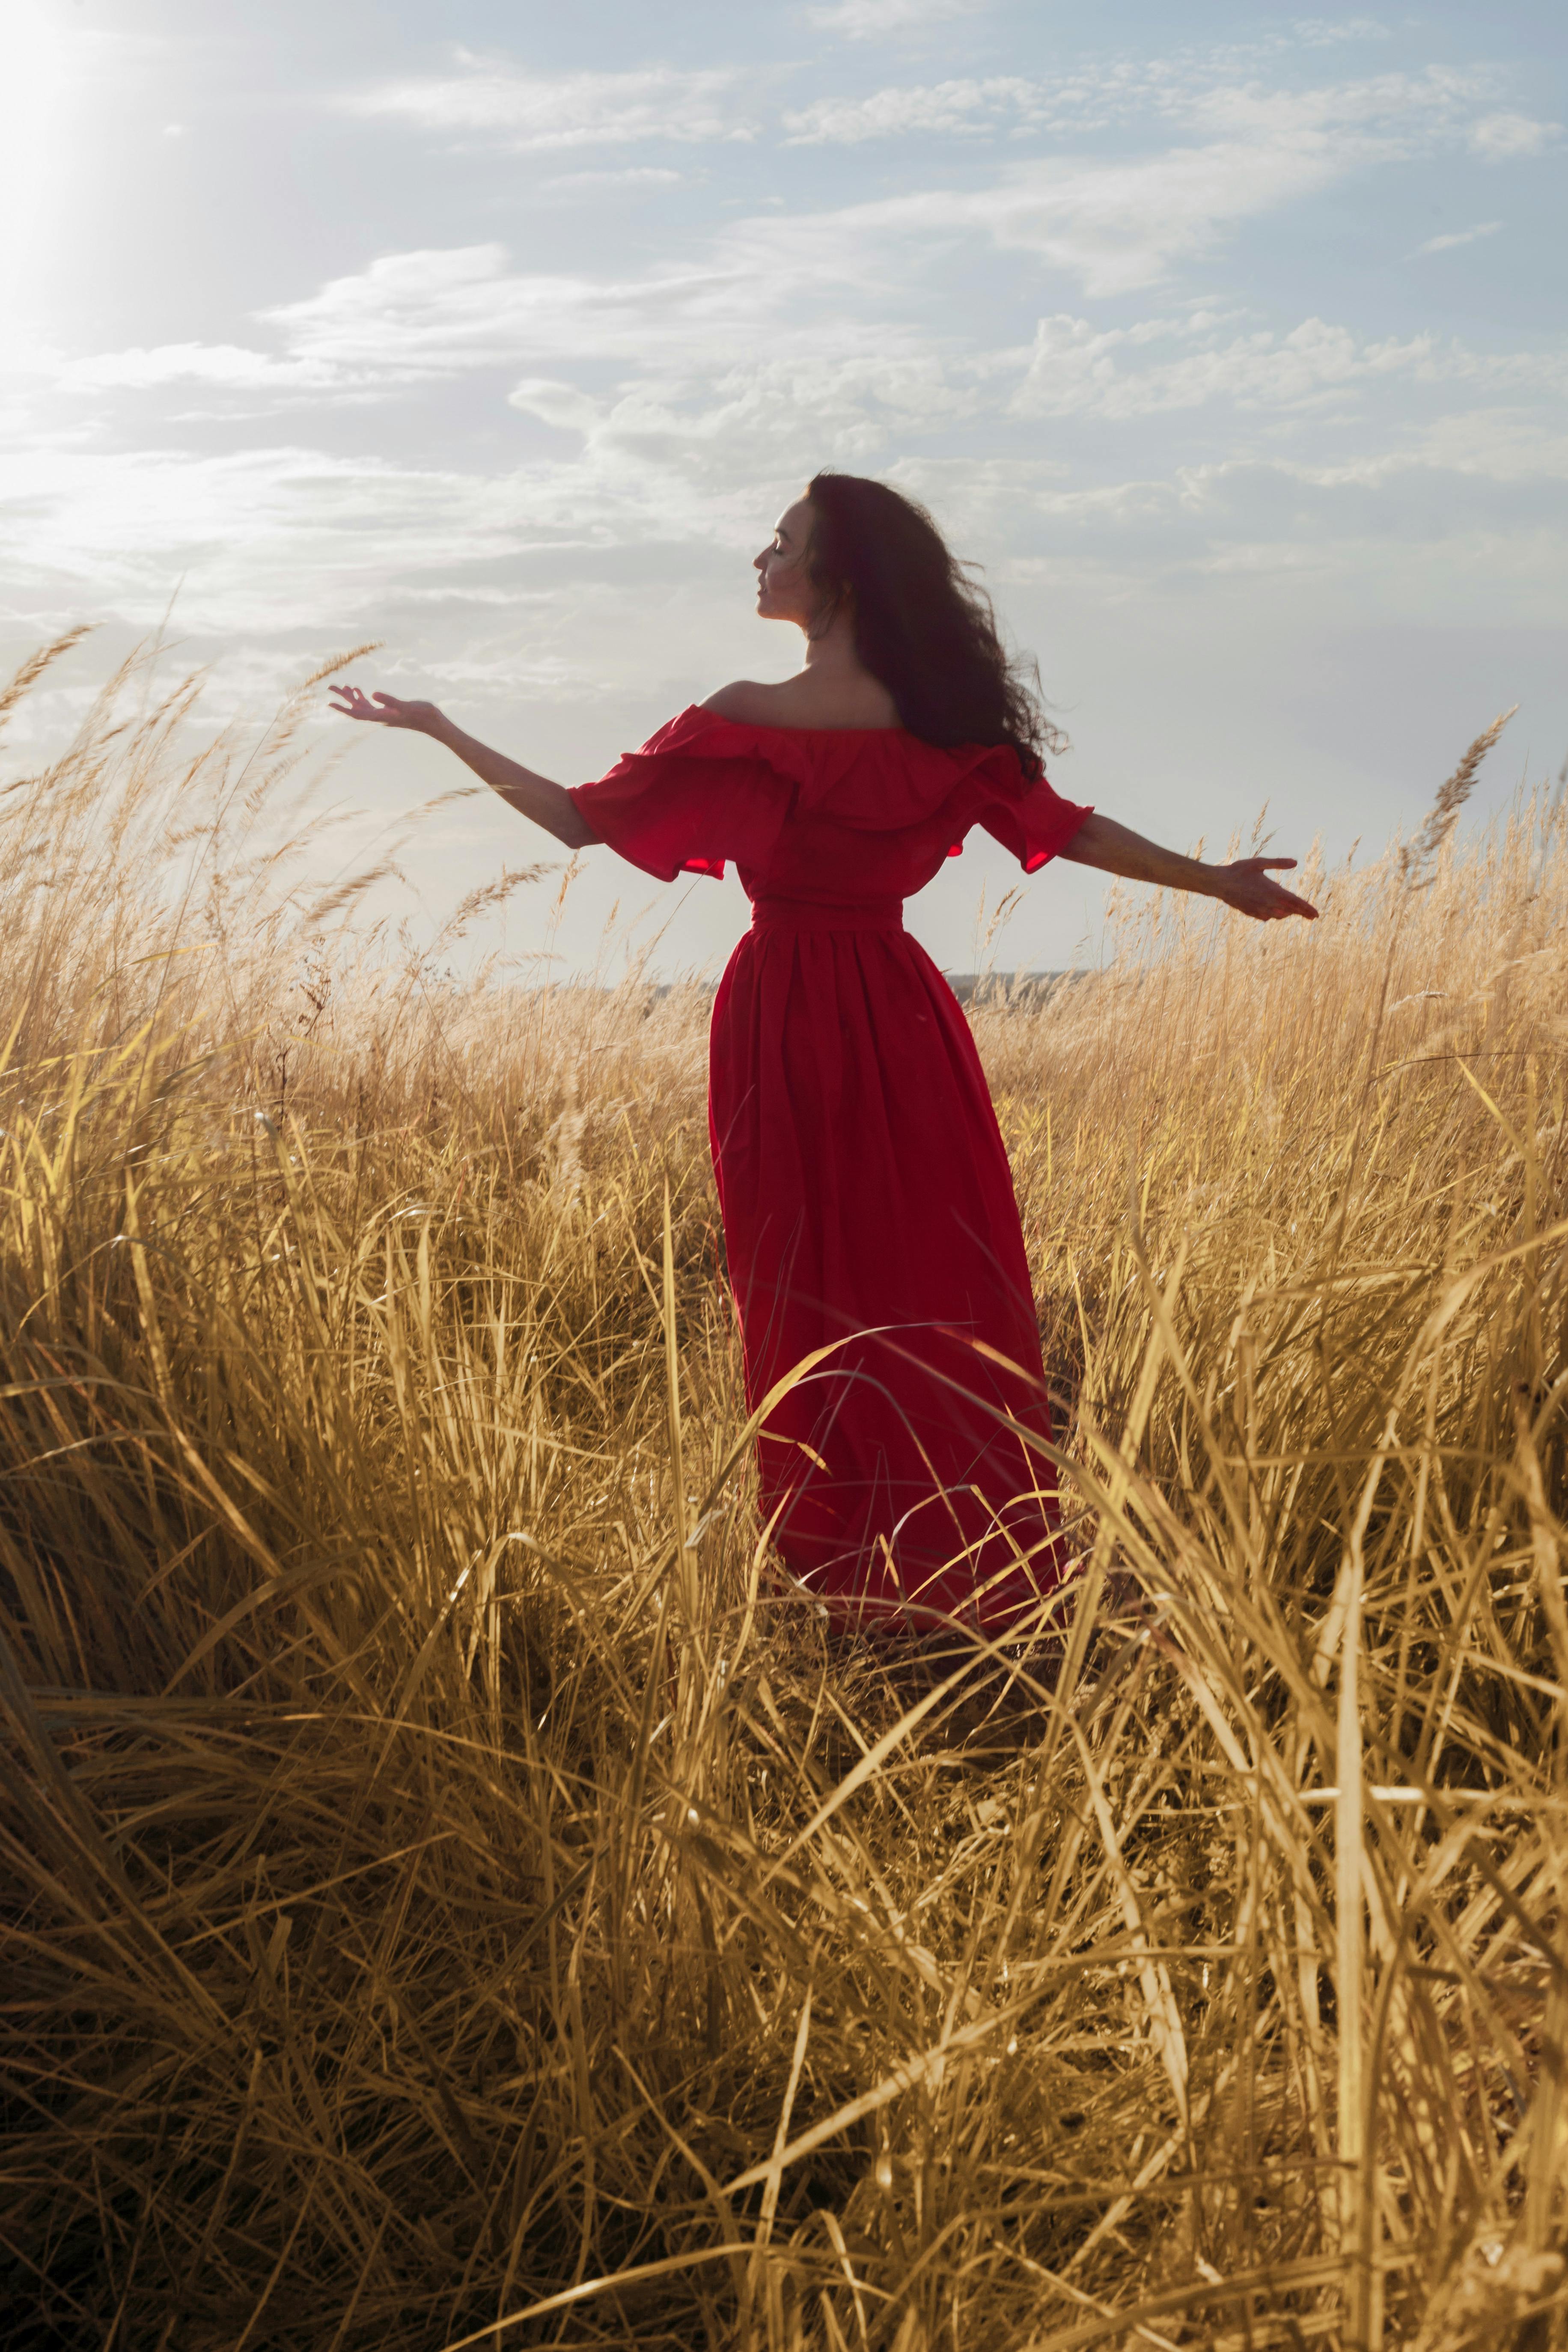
<point>866,1195</point>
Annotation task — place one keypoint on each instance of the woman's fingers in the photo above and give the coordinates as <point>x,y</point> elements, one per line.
<point>1273,900</point>
<point>1285,902</point>
<point>386,710</point>
<point>353,704</point>
<point>1254,893</point>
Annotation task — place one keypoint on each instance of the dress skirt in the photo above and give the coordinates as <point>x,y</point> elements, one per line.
<point>868,1207</point>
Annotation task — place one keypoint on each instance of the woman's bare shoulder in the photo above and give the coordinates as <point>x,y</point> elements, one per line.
<point>806,701</point>
<point>745,701</point>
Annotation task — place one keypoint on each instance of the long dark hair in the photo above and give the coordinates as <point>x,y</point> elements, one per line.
<point>923,623</point>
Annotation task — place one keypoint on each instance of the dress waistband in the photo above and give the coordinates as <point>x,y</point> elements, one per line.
<point>811,915</point>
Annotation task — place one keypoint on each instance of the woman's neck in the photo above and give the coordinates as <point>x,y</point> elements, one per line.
<point>831,659</point>
<point>833,688</point>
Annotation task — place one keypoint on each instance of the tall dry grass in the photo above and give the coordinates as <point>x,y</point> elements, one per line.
<point>454,1896</point>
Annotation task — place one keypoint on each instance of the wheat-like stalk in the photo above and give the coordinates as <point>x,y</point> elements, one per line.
<point>1450,798</point>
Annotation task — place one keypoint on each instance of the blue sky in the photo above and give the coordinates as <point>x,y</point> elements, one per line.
<point>1231,340</point>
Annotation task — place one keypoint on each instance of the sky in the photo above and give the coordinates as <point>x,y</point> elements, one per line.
<point>1231,342</point>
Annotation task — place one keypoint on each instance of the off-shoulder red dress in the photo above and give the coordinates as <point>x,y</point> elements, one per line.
<point>863,1181</point>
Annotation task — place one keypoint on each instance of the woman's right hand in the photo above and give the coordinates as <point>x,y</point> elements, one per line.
<point>1246,884</point>
<point>387,709</point>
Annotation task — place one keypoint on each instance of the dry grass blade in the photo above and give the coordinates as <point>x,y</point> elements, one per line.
<point>1444,813</point>
<point>33,668</point>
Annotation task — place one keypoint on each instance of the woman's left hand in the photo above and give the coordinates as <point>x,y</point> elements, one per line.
<point>387,709</point>
<point>1246,885</point>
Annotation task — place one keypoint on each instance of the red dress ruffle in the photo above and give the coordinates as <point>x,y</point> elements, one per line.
<point>864,1185</point>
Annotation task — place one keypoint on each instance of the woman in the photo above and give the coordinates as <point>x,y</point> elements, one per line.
<point>864,1186</point>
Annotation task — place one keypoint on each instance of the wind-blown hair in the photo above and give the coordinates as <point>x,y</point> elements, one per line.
<point>923,623</point>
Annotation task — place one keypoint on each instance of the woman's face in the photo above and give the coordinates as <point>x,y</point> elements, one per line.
<point>784,592</point>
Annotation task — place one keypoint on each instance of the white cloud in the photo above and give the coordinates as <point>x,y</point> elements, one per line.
<point>685,454</point>
<point>1329,32</point>
<point>292,538</point>
<point>1114,226</point>
<point>1075,368</point>
<point>1221,99</point>
<point>1498,445</point>
<point>1113,92</point>
<point>229,365</point>
<point>1401,114</point>
<point>634,176</point>
<point>413,315</point>
<point>289,538</point>
<point>937,109</point>
<point>561,404</point>
<point>1459,236</point>
<point>1118,226</point>
<point>1498,137</point>
<point>1124,224</point>
<point>440,311</point>
<point>868,20</point>
<point>547,112</point>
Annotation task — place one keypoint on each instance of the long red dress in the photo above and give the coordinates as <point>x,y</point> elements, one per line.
<point>863,1180</point>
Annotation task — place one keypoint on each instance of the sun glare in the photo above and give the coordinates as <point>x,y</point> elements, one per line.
<point>33,157</point>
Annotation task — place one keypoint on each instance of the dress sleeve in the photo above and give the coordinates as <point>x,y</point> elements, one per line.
<point>673,812</point>
<point>1036,828</point>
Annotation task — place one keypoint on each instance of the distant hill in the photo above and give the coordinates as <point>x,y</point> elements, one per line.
<point>1026,984</point>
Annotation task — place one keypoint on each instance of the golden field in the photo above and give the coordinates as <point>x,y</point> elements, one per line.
<point>454,1894</point>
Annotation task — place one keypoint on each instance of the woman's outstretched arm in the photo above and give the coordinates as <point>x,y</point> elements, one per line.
<point>1243,885</point>
<point>549,806</point>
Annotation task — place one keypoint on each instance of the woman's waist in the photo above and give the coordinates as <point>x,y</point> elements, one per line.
<point>776,910</point>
